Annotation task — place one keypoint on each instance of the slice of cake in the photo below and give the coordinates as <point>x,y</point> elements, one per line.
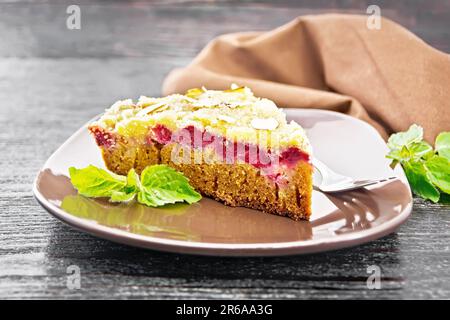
<point>233,146</point>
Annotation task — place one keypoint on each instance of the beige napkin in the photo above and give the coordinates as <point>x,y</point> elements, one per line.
<point>388,77</point>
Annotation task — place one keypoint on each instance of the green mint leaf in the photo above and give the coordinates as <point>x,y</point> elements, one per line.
<point>95,182</point>
<point>420,149</point>
<point>406,146</point>
<point>161,184</point>
<point>419,180</point>
<point>401,139</point>
<point>133,182</point>
<point>442,144</point>
<point>428,173</point>
<point>439,172</point>
<point>146,197</point>
<point>120,196</point>
<point>414,151</point>
<point>398,154</point>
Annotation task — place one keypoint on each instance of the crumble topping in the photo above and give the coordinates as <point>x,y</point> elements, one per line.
<point>235,114</point>
<point>264,124</point>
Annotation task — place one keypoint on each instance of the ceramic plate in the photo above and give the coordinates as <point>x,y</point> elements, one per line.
<point>349,146</point>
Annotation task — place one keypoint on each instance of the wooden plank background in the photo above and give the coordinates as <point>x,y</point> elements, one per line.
<point>52,80</point>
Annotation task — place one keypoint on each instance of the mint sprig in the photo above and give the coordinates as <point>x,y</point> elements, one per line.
<point>443,145</point>
<point>427,170</point>
<point>158,185</point>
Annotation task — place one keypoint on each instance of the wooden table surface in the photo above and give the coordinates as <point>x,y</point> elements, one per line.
<point>52,80</point>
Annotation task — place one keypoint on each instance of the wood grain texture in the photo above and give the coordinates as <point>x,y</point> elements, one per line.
<point>52,80</point>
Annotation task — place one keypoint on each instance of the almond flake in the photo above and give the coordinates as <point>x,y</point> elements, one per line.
<point>226,118</point>
<point>264,124</point>
<point>151,108</point>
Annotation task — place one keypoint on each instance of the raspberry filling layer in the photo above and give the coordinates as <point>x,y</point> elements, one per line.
<point>272,165</point>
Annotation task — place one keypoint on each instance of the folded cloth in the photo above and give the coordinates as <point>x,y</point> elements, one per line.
<point>387,77</point>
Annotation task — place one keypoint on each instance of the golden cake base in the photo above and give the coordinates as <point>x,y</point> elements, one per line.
<point>237,184</point>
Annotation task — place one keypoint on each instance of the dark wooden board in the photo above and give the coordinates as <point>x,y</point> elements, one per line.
<point>52,80</point>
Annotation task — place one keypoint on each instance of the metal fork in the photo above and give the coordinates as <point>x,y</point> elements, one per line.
<point>334,182</point>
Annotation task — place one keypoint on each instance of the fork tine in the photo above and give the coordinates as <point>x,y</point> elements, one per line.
<point>334,182</point>
<point>353,185</point>
<point>367,182</point>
